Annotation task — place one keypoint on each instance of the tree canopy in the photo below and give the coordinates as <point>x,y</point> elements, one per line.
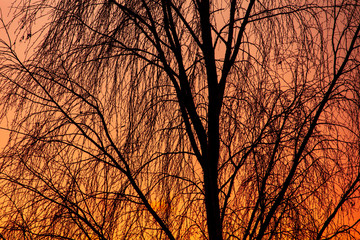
<point>181,119</point>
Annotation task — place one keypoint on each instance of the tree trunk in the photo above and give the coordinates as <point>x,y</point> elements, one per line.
<point>211,170</point>
<point>212,205</point>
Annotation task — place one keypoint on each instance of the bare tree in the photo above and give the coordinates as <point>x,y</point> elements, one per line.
<point>182,120</point>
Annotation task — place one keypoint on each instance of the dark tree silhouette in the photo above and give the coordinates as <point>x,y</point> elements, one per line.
<point>181,120</point>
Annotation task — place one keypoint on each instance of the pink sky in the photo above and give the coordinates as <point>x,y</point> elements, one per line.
<point>4,14</point>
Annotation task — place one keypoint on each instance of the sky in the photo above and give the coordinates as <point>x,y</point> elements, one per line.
<point>4,14</point>
<point>4,9</point>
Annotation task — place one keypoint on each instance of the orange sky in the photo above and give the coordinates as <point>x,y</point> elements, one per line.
<point>4,14</point>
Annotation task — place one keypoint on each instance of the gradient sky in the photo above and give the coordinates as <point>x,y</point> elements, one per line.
<point>6,15</point>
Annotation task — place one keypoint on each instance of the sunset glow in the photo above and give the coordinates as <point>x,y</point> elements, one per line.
<point>180,119</point>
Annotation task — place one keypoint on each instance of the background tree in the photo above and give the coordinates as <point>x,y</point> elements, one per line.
<point>182,120</point>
